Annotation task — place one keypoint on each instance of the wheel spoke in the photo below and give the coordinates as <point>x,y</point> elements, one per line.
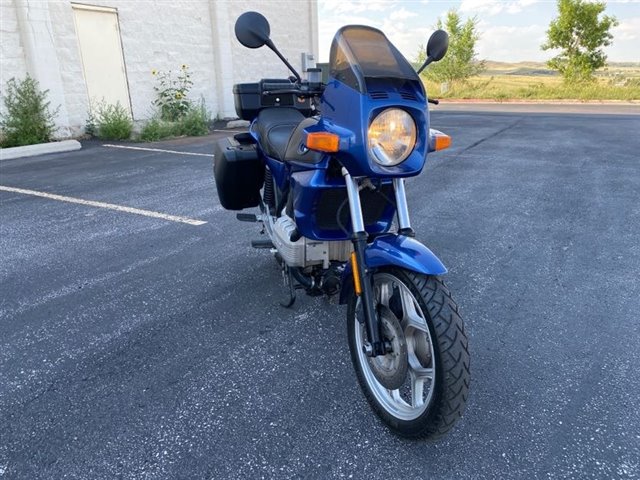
<point>386,290</point>
<point>411,318</point>
<point>418,377</point>
<point>395,394</point>
<point>422,373</point>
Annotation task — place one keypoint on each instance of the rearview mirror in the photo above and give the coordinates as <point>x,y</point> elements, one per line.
<point>252,30</point>
<point>437,45</point>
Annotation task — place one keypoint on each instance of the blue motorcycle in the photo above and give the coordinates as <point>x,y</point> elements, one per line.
<point>325,163</point>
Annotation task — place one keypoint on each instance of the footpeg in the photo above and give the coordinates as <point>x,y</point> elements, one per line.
<point>266,243</point>
<point>246,217</point>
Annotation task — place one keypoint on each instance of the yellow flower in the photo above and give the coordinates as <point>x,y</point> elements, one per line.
<point>184,66</point>
<point>178,95</point>
<point>154,72</point>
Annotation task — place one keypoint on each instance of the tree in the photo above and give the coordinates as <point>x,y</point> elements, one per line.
<point>580,33</point>
<point>461,61</point>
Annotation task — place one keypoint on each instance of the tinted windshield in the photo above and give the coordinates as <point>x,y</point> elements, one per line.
<point>359,52</point>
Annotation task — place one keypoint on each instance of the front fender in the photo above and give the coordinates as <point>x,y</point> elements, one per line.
<point>396,251</point>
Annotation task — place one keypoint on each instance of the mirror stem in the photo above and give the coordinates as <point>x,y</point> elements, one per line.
<point>270,44</point>
<point>425,64</point>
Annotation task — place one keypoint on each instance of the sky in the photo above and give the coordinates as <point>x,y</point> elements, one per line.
<point>511,31</point>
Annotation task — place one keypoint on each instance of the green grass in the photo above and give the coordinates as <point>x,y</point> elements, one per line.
<point>533,81</point>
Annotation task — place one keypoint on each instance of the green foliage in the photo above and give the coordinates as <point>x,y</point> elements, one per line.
<point>157,129</point>
<point>196,121</point>
<point>171,93</point>
<point>177,115</point>
<point>580,33</point>
<point>27,119</point>
<point>461,61</point>
<point>515,87</point>
<point>112,121</point>
<point>90,125</point>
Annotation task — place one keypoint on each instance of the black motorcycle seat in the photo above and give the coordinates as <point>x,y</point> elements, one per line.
<point>275,126</point>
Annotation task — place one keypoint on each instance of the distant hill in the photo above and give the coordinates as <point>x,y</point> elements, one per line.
<point>541,69</point>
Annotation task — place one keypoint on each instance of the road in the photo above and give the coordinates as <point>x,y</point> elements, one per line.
<point>140,347</point>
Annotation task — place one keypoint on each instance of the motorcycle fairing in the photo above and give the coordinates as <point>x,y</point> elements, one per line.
<point>318,197</point>
<point>368,75</point>
<point>398,251</point>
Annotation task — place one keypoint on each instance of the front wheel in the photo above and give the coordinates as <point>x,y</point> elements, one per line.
<point>420,389</point>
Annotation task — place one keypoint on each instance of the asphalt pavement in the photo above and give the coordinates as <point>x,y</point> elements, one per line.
<point>139,347</point>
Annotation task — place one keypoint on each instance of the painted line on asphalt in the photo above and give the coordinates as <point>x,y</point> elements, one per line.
<point>110,206</point>
<point>160,150</point>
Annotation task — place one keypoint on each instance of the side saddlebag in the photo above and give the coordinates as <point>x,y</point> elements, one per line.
<point>239,174</point>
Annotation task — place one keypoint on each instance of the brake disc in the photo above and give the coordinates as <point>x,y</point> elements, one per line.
<point>391,369</point>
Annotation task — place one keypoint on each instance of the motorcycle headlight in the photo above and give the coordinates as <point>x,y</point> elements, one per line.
<point>392,136</point>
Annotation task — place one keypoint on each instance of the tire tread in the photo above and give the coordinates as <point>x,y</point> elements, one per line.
<point>453,351</point>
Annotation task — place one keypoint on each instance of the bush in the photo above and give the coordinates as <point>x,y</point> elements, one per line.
<point>195,122</point>
<point>112,121</point>
<point>157,129</point>
<point>27,119</point>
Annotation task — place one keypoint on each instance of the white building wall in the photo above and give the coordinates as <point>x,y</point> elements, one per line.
<point>163,35</point>
<point>156,35</point>
<point>11,50</point>
<point>293,28</point>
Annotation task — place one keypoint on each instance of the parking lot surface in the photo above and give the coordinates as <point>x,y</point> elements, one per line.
<point>136,346</point>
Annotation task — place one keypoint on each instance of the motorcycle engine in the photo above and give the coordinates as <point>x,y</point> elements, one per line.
<point>305,252</point>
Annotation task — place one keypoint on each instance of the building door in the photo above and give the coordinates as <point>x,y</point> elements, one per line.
<point>101,51</point>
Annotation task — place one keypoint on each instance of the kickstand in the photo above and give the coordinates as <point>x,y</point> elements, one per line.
<point>292,289</point>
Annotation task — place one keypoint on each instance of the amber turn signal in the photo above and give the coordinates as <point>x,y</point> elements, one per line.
<point>356,274</point>
<point>442,141</point>
<point>323,142</point>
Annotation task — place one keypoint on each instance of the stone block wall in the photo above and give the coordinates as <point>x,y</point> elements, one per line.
<point>160,35</point>
<point>11,50</point>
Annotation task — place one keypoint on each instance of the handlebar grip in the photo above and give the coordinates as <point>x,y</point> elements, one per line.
<point>434,101</point>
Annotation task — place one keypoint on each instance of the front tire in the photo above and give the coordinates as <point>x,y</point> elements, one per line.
<point>436,387</point>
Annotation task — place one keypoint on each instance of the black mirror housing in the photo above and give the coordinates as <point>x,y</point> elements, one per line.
<point>437,45</point>
<point>252,30</point>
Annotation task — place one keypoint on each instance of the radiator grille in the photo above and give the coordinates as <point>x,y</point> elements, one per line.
<point>330,201</point>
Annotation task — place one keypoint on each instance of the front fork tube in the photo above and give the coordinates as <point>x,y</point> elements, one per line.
<point>362,276</point>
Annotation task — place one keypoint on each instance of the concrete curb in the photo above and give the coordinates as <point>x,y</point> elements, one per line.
<point>39,149</point>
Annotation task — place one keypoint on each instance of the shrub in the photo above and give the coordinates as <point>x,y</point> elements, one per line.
<point>157,129</point>
<point>28,118</point>
<point>196,121</point>
<point>112,121</point>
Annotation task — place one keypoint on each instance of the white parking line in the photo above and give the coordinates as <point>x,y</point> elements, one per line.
<point>110,206</point>
<point>159,150</point>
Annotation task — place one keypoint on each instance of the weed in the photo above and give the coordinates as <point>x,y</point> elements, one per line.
<point>196,121</point>
<point>27,119</point>
<point>157,129</point>
<point>112,121</point>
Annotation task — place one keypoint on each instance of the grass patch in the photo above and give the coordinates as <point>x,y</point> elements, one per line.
<point>532,81</point>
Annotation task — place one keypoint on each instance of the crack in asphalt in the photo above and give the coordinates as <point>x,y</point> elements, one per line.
<point>488,137</point>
